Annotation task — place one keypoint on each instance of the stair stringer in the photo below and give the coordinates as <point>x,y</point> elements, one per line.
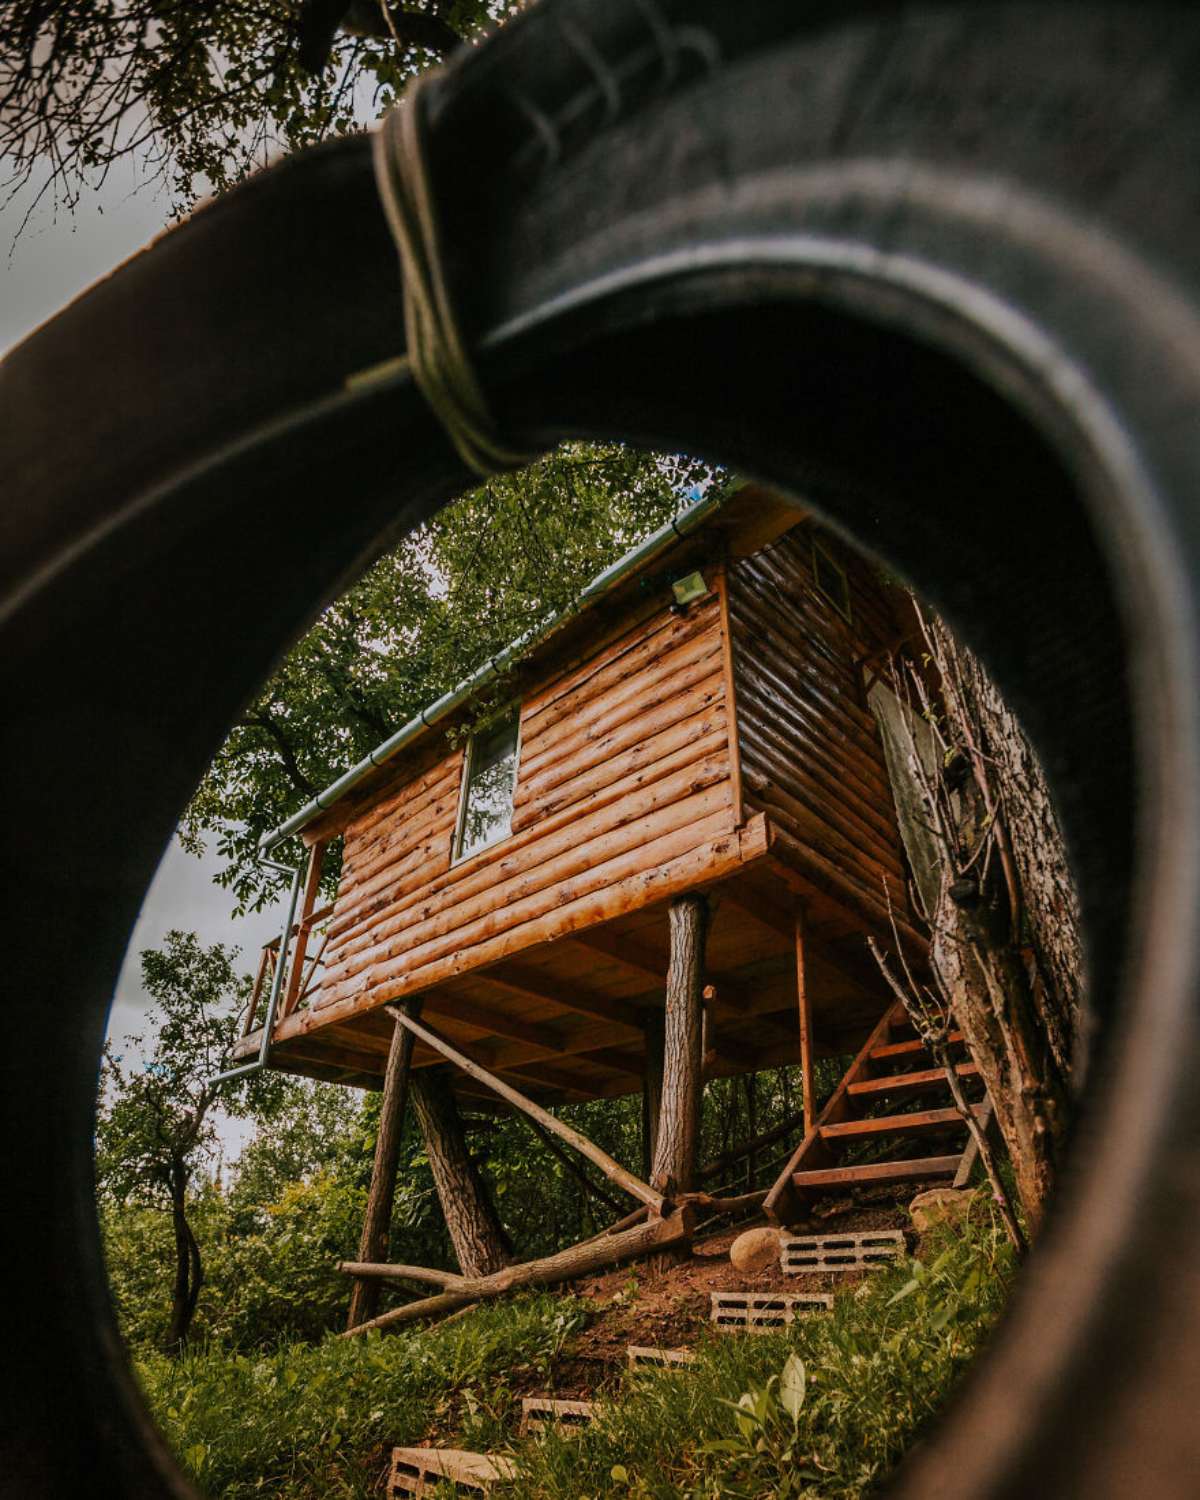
<point>783,1202</point>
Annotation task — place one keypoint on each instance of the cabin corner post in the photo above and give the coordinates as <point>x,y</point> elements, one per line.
<point>675,1157</point>
<point>373,1243</point>
<point>729,674</point>
<point>804,1010</point>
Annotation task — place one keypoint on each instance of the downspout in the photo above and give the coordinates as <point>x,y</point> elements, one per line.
<point>285,938</point>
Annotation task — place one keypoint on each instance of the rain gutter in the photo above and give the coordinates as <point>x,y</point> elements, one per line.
<point>680,526</point>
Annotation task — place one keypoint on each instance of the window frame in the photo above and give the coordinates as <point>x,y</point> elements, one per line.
<point>842,605</point>
<point>457,856</point>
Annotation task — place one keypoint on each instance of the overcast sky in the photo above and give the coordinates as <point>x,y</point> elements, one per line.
<point>53,260</point>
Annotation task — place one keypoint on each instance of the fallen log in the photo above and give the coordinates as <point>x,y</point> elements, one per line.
<point>567,1265</point>
<point>382,1270</point>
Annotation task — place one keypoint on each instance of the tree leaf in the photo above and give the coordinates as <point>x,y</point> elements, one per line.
<point>792,1385</point>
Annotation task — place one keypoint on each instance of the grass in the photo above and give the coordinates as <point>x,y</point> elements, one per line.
<point>316,1420</point>
<point>825,1409</point>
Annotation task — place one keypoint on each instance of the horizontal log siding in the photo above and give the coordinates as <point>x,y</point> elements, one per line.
<point>624,769</point>
<point>811,757</point>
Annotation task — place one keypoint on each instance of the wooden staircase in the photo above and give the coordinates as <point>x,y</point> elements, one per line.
<point>891,1116</point>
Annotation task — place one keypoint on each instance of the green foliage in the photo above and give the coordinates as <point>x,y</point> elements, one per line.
<point>309,1421</point>
<point>456,591</point>
<point>201,95</point>
<point>826,1409</point>
<point>156,1115</point>
<point>155,1121</point>
<point>291,1206</point>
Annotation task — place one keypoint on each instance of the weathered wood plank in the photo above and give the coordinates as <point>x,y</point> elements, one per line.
<point>660,803</point>
<point>715,856</point>
<point>604,862</point>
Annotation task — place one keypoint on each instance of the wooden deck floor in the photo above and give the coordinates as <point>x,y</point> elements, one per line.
<point>565,1021</point>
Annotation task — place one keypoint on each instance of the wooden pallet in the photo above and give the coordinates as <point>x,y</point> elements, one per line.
<point>642,1357</point>
<point>764,1312</point>
<point>799,1253</point>
<point>419,1471</point>
<point>539,1412</point>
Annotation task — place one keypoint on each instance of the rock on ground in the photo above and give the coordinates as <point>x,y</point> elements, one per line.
<point>755,1250</point>
<point>939,1205</point>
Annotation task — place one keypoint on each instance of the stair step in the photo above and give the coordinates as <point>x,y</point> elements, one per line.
<point>765,1312</point>
<point>420,1471</point>
<point>832,1252</point>
<point>923,1122</point>
<point>896,1050</point>
<point>647,1357</point>
<point>879,1171</point>
<point>537,1412</point>
<point>908,1083</point>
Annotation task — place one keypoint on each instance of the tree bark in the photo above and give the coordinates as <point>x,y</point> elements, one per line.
<point>1009,958</point>
<point>988,988</point>
<point>478,1237</point>
<point>373,1243</point>
<point>1048,897</point>
<point>189,1270</point>
<point>675,1154</point>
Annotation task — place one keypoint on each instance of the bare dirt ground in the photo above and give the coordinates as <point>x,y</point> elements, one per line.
<point>665,1302</point>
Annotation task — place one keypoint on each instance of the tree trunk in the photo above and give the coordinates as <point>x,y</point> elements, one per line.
<point>189,1270</point>
<point>1051,908</point>
<point>989,990</point>
<point>373,1243</point>
<point>1008,955</point>
<point>679,1117</point>
<point>479,1240</point>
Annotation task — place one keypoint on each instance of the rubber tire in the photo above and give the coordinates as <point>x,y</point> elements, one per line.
<point>935,268</point>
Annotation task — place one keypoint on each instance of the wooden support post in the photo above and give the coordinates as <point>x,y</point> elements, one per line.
<point>613,1170</point>
<point>675,1154</point>
<point>652,1084</point>
<point>373,1242</point>
<point>806,1035</point>
<point>312,885</point>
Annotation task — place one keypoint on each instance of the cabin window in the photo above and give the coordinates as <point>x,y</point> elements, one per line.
<point>489,781</point>
<point>830,579</point>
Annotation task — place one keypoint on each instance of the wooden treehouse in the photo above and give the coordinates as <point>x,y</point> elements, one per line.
<point>698,727</point>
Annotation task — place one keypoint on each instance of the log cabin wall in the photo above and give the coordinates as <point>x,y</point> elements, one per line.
<point>624,775</point>
<point>811,754</point>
